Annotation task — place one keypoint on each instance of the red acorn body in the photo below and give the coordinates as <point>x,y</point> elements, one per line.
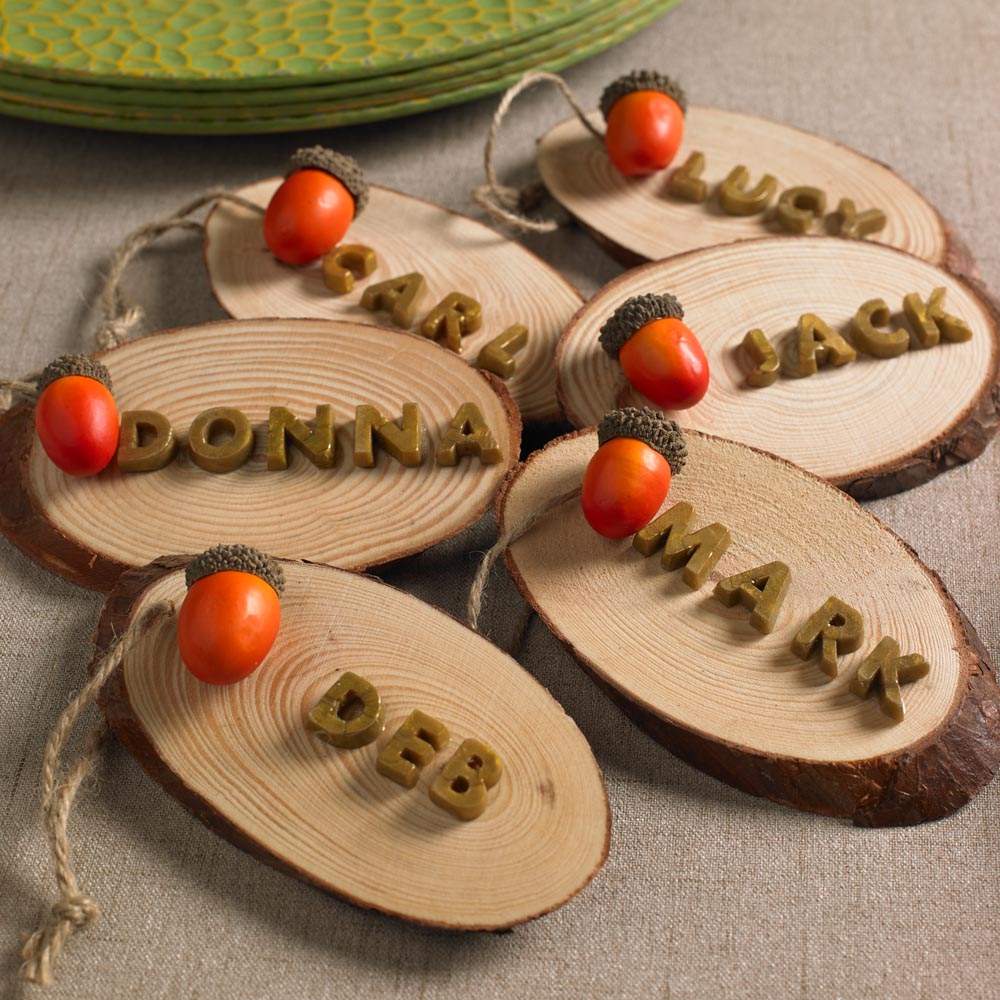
<point>75,416</point>
<point>628,478</point>
<point>644,113</point>
<point>659,354</point>
<point>313,207</point>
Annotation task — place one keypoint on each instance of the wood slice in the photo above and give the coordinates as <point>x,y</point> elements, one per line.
<point>740,705</point>
<point>873,426</point>
<point>241,760</point>
<point>636,218</point>
<point>453,252</point>
<point>89,530</point>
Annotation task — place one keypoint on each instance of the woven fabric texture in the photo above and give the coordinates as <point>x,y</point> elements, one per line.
<point>707,892</point>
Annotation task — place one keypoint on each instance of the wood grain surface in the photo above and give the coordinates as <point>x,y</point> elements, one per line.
<point>454,253</point>
<point>873,426</point>
<point>240,757</point>
<point>738,704</point>
<point>89,530</point>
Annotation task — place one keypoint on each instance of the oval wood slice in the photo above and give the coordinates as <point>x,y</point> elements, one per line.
<point>89,530</point>
<point>454,254</point>
<point>636,218</point>
<point>872,426</point>
<point>241,759</point>
<point>740,705</point>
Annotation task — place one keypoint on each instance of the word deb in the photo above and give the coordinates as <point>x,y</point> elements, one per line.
<point>351,715</point>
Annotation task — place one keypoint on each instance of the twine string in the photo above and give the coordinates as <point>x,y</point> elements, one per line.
<point>517,639</point>
<point>12,389</point>
<point>120,317</point>
<point>506,204</point>
<point>516,531</point>
<point>73,909</point>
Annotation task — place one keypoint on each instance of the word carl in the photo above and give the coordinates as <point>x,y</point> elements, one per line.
<point>798,208</point>
<point>834,629</point>
<point>453,318</point>
<point>351,715</point>
<point>819,344</point>
<point>221,439</point>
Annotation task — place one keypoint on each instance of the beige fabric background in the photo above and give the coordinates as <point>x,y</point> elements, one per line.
<point>707,892</point>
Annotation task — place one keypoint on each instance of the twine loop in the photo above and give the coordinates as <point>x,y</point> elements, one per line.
<point>73,909</point>
<point>505,204</point>
<point>120,318</point>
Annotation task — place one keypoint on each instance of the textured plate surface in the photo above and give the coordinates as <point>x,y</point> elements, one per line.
<point>263,42</point>
<point>399,82</point>
<point>66,113</point>
<point>315,100</point>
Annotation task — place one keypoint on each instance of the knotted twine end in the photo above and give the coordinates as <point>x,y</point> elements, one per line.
<point>69,914</point>
<point>116,330</point>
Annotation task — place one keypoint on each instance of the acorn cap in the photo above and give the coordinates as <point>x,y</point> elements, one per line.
<point>242,558</point>
<point>345,168</point>
<point>634,313</point>
<point>641,79</point>
<point>649,426</point>
<point>74,364</point>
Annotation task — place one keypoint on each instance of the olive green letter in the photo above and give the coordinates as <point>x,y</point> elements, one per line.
<point>462,784</point>
<point>697,551</point>
<point>761,589</point>
<point>159,448</point>
<point>318,445</point>
<point>349,715</point>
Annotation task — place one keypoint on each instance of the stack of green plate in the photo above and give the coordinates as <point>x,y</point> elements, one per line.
<point>234,66</point>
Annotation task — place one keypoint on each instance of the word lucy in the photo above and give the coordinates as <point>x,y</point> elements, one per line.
<point>798,207</point>
<point>835,628</point>
<point>351,715</point>
<point>221,439</point>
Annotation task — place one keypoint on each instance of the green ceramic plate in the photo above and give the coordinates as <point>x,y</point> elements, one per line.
<point>44,91</point>
<point>344,113</point>
<point>261,43</point>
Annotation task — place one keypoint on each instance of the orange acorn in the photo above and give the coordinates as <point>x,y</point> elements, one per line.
<point>644,111</point>
<point>629,475</point>
<point>321,195</point>
<point>76,417</point>
<point>660,355</point>
<point>230,615</point>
